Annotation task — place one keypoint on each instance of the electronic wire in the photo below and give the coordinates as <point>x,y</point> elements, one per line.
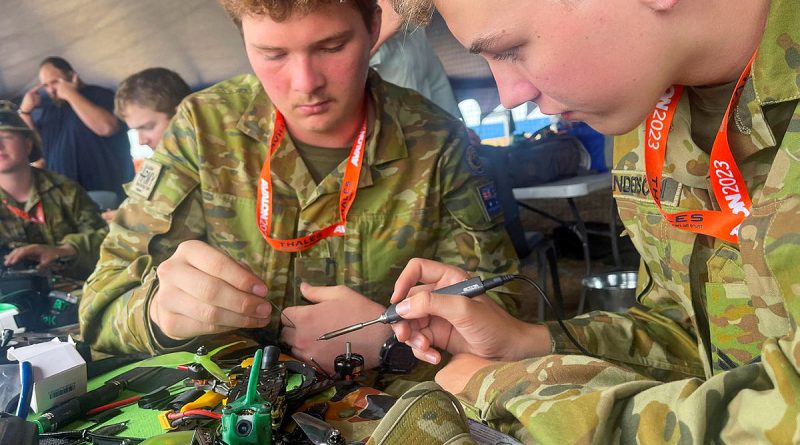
<point>557,312</point>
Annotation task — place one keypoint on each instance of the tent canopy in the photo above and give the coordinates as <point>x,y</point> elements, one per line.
<point>107,40</point>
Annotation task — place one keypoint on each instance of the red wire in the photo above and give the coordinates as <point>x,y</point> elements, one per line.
<point>192,412</point>
<point>117,404</point>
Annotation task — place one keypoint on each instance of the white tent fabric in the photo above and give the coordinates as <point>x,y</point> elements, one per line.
<point>107,40</point>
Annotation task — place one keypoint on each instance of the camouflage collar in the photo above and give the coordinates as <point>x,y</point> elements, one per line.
<point>385,141</point>
<point>41,184</point>
<point>775,76</point>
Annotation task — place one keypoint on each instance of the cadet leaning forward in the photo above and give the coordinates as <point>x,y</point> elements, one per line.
<point>715,355</point>
<point>242,199</point>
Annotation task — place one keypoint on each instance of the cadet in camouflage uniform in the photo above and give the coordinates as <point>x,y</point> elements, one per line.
<point>420,194</point>
<point>44,216</point>
<point>713,356</point>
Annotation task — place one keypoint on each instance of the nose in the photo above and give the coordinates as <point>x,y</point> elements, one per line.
<point>514,88</point>
<point>306,77</point>
<point>143,139</point>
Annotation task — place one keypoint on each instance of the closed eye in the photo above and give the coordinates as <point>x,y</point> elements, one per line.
<point>511,55</point>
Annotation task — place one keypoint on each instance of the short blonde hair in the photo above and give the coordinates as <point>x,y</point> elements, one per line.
<point>415,11</point>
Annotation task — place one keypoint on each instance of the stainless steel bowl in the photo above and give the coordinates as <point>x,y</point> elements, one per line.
<point>611,291</point>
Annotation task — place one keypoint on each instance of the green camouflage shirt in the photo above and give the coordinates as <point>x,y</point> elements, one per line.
<point>70,218</point>
<point>720,324</point>
<point>418,196</point>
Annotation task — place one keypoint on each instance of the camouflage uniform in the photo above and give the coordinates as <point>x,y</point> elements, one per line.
<point>418,196</point>
<point>715,355</point>
<point>70,218</point>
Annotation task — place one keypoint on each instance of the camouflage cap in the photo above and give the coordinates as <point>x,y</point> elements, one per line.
<point>11,121</point>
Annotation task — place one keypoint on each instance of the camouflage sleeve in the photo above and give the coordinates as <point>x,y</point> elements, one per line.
<point>656,339</point>
<point>577,399</point>
<point>472,234</point>
<point>163,209</point>
<point>91,229</point>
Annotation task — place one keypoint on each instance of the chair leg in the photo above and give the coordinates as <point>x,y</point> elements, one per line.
<point>559,300</point>
<point>542,263</point>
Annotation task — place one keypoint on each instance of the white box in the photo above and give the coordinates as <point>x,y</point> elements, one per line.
<point>59,372</point>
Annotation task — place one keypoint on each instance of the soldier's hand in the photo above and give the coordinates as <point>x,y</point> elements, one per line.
<point>455,323</point>
<point>203,291</point>
<point>43,254</point>
<point>66,88</point>
<point>335,307</point>
<point>31,99</point>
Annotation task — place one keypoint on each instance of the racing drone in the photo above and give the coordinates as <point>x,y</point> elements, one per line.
<point>259,392</point>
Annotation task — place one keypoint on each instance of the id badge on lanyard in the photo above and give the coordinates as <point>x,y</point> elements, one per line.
<point>726,179</point>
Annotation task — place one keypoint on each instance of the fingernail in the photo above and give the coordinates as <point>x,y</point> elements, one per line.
<point>264,310</point>
<point>403,307</point>
<point>260,290</point>
<point>304,286</point>
<point>416,343</point>
<point>431,358</point>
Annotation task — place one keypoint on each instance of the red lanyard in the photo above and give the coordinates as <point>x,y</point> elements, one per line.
<point>38,218</point>
<point>347,193</point>
<point>726,180</point>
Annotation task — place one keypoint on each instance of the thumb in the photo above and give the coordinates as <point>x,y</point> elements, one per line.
<point>424,304</point>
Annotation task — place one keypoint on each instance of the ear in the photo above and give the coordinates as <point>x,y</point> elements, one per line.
<point>376,26</point>
<point>660,5</point>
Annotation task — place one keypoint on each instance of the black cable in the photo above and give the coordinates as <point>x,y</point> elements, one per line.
<point>558,315</point>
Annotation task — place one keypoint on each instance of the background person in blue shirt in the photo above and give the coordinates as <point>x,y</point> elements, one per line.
<point>81,137</point>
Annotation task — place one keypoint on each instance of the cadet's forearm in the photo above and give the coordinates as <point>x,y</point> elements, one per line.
<point>114,319</point>
<point>645,340</point>
<point>568,399</point>
<point>97,118</point>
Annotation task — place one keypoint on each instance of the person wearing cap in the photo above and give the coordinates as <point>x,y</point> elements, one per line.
<point>44,217</point>
<point>313,171</point>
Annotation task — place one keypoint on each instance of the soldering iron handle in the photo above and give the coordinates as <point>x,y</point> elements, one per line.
<point>468,288</point>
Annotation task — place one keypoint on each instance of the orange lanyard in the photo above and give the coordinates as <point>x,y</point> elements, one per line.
<point>38,218</point>
<point>726,180</point>
<point>347,193</point>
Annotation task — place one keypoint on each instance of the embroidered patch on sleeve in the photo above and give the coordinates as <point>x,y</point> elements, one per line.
<point>474,161</point>
<point>491,202</point>
<point>146,179</point>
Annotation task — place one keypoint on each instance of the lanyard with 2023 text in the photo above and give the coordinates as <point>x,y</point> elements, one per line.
<point>726,179</point>
<point>347,193</point>
<point>37,218</point>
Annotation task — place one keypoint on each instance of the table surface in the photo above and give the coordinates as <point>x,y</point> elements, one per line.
<point>566,188</point>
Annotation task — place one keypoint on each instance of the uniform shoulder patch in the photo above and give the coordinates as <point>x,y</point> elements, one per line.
<point>490,200</point>
<point>146,179</point>
<point>474,161</point>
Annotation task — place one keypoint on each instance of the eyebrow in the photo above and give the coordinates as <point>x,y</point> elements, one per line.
<point>344,35</point>
<point>483,43</point>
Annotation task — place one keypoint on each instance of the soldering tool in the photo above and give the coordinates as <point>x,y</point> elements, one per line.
<point>468,288</point>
